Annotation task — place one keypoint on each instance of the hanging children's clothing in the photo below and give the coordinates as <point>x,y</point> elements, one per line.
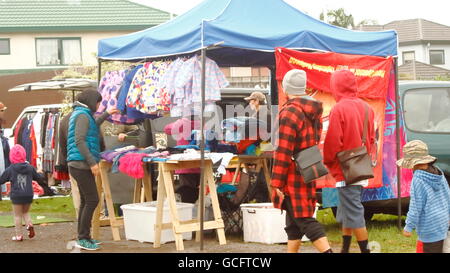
<point>48,156</point>
<point>191,71</point>
<point>131,112</point>
<point>187,87</point>
<point>144,93</point>
<point>37,133</point>
<point>162,86</point>
<point>109,88</point>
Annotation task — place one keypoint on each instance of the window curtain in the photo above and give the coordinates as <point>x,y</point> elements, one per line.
<point>47,52</point>
<point>71,51</point>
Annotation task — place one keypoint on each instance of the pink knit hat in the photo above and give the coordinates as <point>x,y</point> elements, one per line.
<point>17,154</point>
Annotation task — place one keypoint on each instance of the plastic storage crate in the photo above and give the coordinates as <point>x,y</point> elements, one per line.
<point>140,219</point>
<point>263,223</point>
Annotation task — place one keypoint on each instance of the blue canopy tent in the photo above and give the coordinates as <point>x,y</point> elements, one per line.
<point>243,33</point>
<point>249,30</point>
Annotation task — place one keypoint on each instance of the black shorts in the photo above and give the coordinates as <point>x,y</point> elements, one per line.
<point>22,200</point>
<point>296,228</point>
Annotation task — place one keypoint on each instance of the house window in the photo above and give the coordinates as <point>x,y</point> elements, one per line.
<point>437,57</point>
<point>4,47</point>
<point>409,56</point>
<point>60,51</point>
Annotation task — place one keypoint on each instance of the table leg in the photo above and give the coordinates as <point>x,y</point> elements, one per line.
<point>161,195</point>
<point>137,191</point>
<point>236,172</point>
<point>109,202</point>
<point>168,182</point>
<point>215,203</point>
<point>147,181</point>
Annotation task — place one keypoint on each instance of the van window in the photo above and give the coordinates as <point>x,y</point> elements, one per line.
<point>428,110</point>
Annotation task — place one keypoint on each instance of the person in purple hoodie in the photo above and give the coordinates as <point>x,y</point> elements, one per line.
<point>21,175</point>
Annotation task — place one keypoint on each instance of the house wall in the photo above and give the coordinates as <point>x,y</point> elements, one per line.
<point>23,48</point>
<point>422,53</point>
<point>419,53</point>
<point>446,48</point>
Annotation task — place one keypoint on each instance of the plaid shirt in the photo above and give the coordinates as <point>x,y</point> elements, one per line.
<point>296,133</point>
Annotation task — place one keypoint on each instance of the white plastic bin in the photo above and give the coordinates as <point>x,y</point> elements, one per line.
<point>265,224</point>
<point>140,219</point>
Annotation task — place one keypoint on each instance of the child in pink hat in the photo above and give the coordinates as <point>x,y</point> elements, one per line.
<point>21,175</point>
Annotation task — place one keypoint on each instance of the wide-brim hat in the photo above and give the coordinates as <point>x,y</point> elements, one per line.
<point>415,152</point>
<point>256,96</point>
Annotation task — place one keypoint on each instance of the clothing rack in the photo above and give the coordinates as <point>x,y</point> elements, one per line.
<point>202,140</point>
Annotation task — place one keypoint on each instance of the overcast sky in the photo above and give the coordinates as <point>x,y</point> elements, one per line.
<point>383,11</point>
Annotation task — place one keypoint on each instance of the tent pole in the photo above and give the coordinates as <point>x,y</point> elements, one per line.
<point>202,150</point>
<point>99,71</point>
<point>397,130</point>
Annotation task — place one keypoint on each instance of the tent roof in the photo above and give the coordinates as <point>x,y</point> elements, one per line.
<point>250,30</point>
<point>63,84</point>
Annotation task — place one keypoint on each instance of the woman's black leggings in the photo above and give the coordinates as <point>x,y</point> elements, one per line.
<point>88,200</point>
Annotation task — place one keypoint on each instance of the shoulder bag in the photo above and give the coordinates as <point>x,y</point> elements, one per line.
<point>309,161</point>
<point>356,163</point>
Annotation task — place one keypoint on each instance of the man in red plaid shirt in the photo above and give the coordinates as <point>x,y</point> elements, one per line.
<point>291,193</point>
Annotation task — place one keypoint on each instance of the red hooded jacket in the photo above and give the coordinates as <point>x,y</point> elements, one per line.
<point>346,122</point>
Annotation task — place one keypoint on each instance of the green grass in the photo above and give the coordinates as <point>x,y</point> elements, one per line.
<point>61,207</point>
<point>382,229</point>
<point>37,219</point>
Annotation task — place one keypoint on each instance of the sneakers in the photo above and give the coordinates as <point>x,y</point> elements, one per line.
<point>87,244</point>
<point>18,238</point>
<point>31,233</point>
<point>97,242</point>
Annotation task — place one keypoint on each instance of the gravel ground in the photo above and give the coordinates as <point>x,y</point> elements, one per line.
<point>58,237</point>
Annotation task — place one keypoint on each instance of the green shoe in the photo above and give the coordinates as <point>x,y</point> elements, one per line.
<point>97,242</point>
<point>87,245</point>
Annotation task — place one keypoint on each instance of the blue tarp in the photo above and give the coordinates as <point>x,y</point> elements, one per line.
<point>249,30</point>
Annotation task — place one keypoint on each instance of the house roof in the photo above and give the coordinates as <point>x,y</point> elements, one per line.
<point>414,30</point>
<point>423,71</point>
<point>77,15</point>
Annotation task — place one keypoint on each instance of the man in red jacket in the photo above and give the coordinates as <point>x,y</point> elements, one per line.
<point>295,133</point>
<point>344,133</point>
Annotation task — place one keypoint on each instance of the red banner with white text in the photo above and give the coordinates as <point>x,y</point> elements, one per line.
<point>372,74</point>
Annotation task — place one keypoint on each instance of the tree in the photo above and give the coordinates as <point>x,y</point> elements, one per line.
<point>85,72</point>
<point>338,18</point>
<point>368,22</point>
